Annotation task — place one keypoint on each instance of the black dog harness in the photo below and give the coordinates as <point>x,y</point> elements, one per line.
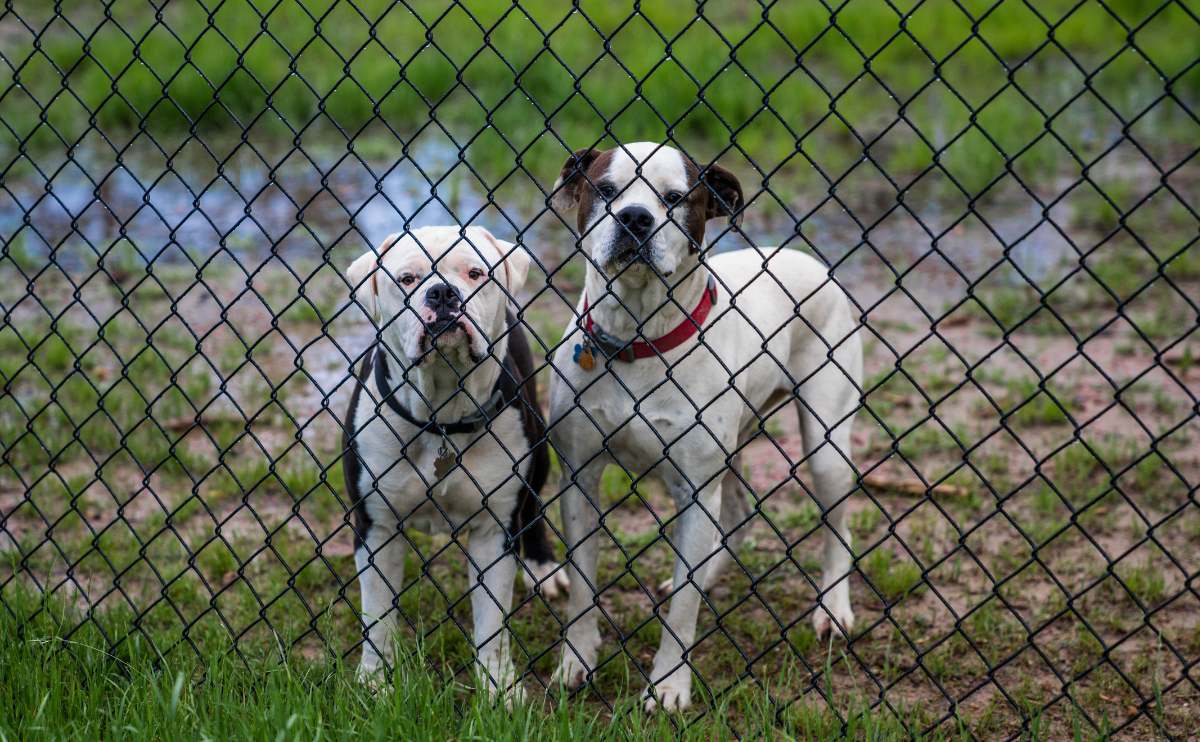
<point>527,525</point>
<point>506,392</point>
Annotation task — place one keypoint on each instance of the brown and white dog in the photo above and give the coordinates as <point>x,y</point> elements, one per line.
<point>671,367</point>
<point>444,432</point>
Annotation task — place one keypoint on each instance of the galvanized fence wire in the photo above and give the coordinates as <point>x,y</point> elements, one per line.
<point>91,581</point>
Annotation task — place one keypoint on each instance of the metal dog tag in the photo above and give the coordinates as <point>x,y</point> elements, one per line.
<point>444,461</point>
<point>584,357</point>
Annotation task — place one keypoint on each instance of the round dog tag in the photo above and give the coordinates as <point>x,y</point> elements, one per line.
<point>584,357</point>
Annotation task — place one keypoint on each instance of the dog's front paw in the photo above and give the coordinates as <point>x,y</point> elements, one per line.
<point>672,694</point>
<point>514,696</point>
<point>373,675</point>
<point>508,691</point>
<point>548,578</point>
<point>837,620</point>
<point>573,670</point>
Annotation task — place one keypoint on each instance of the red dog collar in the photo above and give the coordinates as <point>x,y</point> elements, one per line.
<point>631,350</point>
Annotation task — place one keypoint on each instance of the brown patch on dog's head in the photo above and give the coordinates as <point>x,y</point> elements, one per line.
<point>574,187</point>
<point>724,193</point>
<point>697,206</point>
<point>713,193</point>
<point>664,182</point>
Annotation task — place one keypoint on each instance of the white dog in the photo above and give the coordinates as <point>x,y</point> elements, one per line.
<point>447,436</point>
<point>672,366</point>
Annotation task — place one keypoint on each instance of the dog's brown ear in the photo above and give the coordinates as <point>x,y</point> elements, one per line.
<point>724,193</point>
<point>363,274</point>
<point>568,189</point>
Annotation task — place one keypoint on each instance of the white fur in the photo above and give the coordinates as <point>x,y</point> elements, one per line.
<point>477,498</point>
<point>594,421</point>
<point>435,255</point>
<point>662,171</point>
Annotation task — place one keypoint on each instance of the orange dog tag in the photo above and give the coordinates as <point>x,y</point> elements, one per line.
<point>584,357</point>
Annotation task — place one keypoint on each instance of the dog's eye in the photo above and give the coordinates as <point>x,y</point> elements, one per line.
<point>475,274</point>
<point>408,279</point>
<point>606,191</point>
<point>670,198</point>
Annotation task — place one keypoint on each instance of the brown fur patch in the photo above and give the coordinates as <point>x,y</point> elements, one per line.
<point>724,193</point>
<point>697,206</point>
<point>587,193</point>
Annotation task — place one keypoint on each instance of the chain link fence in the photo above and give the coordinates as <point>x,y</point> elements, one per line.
<point>1005,192</point>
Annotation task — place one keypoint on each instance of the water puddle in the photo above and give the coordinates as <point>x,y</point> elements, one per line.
<point>330,206</point>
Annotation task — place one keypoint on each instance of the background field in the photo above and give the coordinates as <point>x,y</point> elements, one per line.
<point>1010,200</point>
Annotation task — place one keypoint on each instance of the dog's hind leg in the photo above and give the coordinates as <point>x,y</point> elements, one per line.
<point>581,524</point>
<point>825,428</point>
<point>696,544</point>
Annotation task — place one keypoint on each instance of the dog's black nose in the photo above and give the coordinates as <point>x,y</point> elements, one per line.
<point>636,220</point>
<point>443,298</point>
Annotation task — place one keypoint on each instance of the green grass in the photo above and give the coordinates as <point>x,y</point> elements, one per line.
<point>1012,309</point>
<point>1034,405</point>
<point>1145,581</point>
<point>1049,515</point>
<point>102,409</point>
<point>322,60</point>
<point>60,686</point>
<point>994,630</point>
<point>894,577</point>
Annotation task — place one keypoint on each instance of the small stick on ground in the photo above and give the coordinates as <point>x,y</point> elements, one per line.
<point>884,483</point>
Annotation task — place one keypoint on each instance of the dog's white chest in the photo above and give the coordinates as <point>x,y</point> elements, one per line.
<point>639,420</point>
<point>403,480</point>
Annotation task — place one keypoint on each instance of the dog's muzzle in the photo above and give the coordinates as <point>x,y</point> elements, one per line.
<point>448,332</point>
<point>637,222</point>
<point>443,299</point>
<point>627,252</point>
<point>633,241</point>
<point>445,325</point>
<point>446,302</point>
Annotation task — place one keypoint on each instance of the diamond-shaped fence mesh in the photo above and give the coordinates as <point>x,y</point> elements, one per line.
<point>219,437</point>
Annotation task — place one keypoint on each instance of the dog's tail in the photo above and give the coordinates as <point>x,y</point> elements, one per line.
<point>541,571</point>
<point>527,520</point>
